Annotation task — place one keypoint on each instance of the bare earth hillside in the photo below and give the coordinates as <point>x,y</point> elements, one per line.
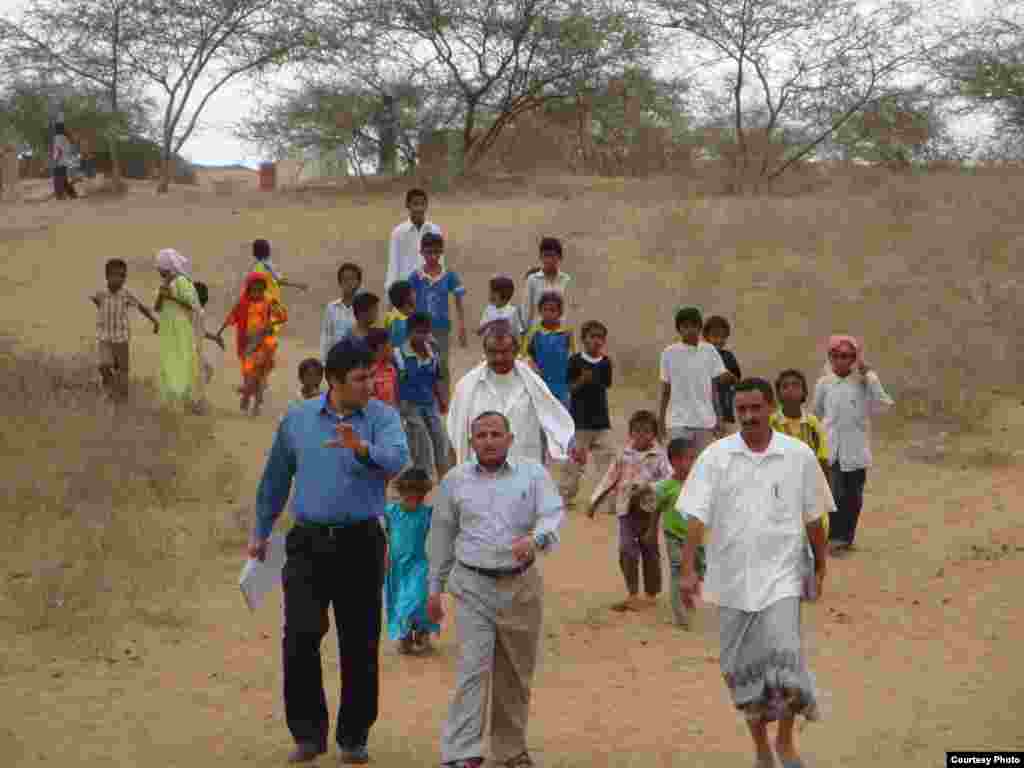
<point>915,645</point>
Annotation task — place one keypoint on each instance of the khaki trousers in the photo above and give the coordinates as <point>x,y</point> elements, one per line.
<point>597,443</point>
<point>498,630</point>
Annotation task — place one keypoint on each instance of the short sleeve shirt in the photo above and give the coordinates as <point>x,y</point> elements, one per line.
<point>589,403</point>
<point>690,370</point>
<point>416,376</point>
<point>432,296</point>
<point>757,506</point>
<point>112,324</point>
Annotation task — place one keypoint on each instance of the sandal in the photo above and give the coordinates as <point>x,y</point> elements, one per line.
<point>522,760</point>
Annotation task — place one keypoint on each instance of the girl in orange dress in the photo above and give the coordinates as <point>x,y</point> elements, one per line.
<point>257,318</point>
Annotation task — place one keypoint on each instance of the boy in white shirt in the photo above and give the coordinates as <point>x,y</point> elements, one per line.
<point>501,307</point>
<point>339,316</point>
<point>689,370</point>
<point>549,277</point>
<point>404,255</point>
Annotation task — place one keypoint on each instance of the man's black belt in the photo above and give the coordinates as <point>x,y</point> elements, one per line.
<point>499,573</point>
<point>334,529</point>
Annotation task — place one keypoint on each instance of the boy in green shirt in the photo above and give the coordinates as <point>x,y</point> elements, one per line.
<point>682,452</point>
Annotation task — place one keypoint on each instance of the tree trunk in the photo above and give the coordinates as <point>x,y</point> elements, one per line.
<point>164,186</point>
<point>387,161</point>
<point>116,181</point>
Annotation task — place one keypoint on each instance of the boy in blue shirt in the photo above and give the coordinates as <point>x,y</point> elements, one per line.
<point>549,345</point>
<point>419,385</point>
<point>432,285</point>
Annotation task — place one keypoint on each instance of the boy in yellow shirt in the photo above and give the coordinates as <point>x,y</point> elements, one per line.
<point>791,419</point>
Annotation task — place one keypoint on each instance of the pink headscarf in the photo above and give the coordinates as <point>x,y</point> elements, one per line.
<point>835,342</point>
<point>169,260</point>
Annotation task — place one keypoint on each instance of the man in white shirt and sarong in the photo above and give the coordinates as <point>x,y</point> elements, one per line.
<point>760,493</point>
<point>492,515</point>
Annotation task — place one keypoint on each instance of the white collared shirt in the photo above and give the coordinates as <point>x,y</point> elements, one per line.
<point>844,407</point>
<point>756,507</point>
<point>690,371</point>
<point>507,394</point>
<point>404,255</point>
<point>339,319</point>
<point>479,514</point>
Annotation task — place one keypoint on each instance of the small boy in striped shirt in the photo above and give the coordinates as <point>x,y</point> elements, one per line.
<point>113,328</point>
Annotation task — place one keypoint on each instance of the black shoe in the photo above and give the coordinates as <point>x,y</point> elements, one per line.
<point>355,755</point>
<point>306,752</point>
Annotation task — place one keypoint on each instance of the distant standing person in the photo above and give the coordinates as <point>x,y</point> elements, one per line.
<point>61,158</point>
<point>341,449</point>
<point>844,400</point>
<point>404,246</point>
<point>759,491</point>
<point>492,515</point>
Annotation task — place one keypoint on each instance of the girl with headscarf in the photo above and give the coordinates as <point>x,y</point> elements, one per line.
<point>177,304</point>
<point>257,317</point>
<point>844,400</point>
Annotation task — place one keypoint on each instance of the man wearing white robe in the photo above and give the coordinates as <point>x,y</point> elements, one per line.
<point>543,428</point>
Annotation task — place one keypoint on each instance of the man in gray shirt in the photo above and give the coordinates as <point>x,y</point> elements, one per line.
<point>491,517</point>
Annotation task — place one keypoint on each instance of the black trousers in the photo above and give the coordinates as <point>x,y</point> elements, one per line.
<point>848,493</point>
<point>344,569</point>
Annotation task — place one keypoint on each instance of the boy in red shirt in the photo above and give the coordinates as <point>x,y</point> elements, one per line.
<point>383,371</point>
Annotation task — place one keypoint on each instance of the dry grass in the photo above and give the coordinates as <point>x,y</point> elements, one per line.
<point>921,265</point>
<point>90,538</point>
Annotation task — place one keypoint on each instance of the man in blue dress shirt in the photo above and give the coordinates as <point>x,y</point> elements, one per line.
<point>340,449</point>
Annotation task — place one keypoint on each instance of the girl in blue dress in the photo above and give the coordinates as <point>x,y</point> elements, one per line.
<point>405,586</point>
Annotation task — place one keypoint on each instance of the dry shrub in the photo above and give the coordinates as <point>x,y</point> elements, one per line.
<point>91,540</point>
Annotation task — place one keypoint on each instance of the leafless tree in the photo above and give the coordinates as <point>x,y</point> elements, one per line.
<point>488,62</point>
<point>83,42</point>
<point>193,48</point>
<point>802,67</point>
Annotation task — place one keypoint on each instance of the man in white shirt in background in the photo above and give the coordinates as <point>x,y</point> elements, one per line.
<point>689,370</point>
<point>491,517</point>
<point>404,256</point>
<point>760,492</point>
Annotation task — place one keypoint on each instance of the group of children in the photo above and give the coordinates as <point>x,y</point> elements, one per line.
<point>410,351</point>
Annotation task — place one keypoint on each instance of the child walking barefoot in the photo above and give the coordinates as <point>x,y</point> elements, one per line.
<point>631,478</point>
<point>257,319</point>
<point>405,584</point>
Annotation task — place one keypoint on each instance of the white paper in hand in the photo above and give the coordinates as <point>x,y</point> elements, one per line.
<point>259,578</point>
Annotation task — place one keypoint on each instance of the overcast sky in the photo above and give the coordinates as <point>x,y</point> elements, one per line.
<point>214,144</point>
